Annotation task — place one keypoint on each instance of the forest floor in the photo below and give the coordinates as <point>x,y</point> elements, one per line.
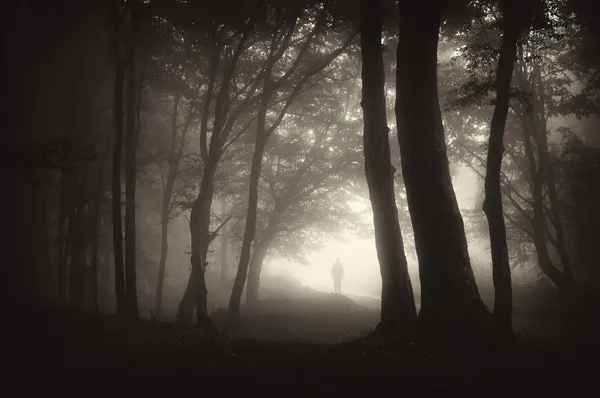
<point>65,351</point>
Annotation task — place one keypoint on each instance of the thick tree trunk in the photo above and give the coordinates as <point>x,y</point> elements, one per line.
<point>116,172</point>
<point>492,205</point>
<point>250,228</point>
<point>130,167</point>
<point>450,302</point>
<point>398,311</point>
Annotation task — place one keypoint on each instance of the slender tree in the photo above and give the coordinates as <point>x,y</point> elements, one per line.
<point>116,163</point>
<point>516,15</point>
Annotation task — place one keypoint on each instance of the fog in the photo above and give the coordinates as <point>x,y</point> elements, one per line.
<point>248,182</point>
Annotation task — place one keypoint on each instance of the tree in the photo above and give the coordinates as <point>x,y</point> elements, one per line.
<point>283,32</point>
<point>228,109</point>
<point>543,73</point>
<point>116,16</point>
<point>310,169</point>
<point>450,302</point>
<point>398,312</point>
<point>131,132</point>
<point>515,19</point>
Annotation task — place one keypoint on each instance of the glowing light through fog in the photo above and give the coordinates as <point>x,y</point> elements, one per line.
<point>359,256</point>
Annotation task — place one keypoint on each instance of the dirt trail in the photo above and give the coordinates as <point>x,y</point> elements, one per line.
<point>323,319</point>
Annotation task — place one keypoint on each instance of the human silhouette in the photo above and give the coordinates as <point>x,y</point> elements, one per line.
<point>337,273</point>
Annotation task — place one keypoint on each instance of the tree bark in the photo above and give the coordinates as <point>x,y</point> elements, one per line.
<point>450,302</point>
<point>513,23</point>
<point>116,169</point>
<point>130,165</point>
<point>398,311</point>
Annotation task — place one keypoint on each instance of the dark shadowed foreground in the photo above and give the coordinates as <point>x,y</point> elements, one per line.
<point>68,350</point>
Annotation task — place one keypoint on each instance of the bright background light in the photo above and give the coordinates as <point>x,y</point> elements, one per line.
<point>362,277</point>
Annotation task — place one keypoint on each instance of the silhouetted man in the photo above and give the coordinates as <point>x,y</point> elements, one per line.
<point>337,273</point>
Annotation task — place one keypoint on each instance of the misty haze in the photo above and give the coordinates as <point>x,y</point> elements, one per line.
<point>312,196</point>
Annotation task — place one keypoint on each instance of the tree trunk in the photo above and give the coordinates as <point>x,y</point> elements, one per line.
<point>450,302</point>
<point>130,167</point>
<point>166,209</point>
<point>224,249</point>
<point>250,228</point>
<point>196,292</point>
<point>116,171</point>
<point>398,311</point>
<point>94,254</point>
<point>258,256</point>
<point>40,273</point>
<point>65,200</point>
<point>492,205</point>
<point>76,271</point>
<point>255,268</point>
<point>164,248</point>
<point>539,219</point>
<point>550,179</point>
<point>96,223</point>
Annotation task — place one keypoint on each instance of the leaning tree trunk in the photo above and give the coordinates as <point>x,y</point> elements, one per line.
<point>398,311</point>
<point>514,23</point>
<point>130,167</point>
<point>450,302</point>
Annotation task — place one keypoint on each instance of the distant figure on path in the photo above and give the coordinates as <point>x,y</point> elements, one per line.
<point>337,273</point>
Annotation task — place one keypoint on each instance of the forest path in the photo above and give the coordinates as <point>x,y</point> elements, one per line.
<point>327,318</point>
<point>322,319</point>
